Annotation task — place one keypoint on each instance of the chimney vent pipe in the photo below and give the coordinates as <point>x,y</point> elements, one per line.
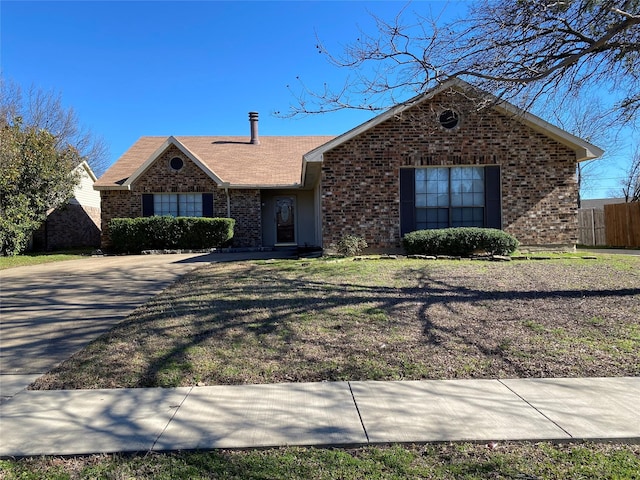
<point>253,121</point>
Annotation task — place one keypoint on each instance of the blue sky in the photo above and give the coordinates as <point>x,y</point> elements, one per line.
<point>130,69</point>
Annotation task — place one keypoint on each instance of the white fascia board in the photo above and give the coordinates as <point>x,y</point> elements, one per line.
<point>263,187</point>
<point>87,169</point>
<point>111,187</point>
<point>304,170</point>
<point>317,154</point>
<point>154,156</point>
<point>584,150</point>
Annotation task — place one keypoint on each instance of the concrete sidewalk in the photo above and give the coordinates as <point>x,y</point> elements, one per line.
<point>67,422</point>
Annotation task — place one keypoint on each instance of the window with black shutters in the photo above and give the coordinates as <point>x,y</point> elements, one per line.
<point>177,204</point>
<point>442,197</point>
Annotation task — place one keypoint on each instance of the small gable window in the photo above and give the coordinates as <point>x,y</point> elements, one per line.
<point>176,164</point>
<point>449,119</point>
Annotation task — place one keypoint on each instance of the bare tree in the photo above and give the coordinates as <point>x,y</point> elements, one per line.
<point>43,110</point>
<point>588,119</point>
<point>521,51</point>
<point>631,181</point>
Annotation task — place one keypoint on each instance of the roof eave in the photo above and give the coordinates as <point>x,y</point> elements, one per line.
<point>583,149</point>
<point>316,154</point>
<point>180,146</point>
<point>240,186</point>
<point>88,169</point>
<point>111,187</point>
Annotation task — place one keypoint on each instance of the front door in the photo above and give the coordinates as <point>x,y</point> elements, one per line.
<point>285,220</point>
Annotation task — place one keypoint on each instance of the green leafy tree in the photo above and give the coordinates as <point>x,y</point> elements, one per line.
<point>36,175</point>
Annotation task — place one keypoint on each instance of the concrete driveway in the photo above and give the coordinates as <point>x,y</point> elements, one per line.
<point>48,312</point>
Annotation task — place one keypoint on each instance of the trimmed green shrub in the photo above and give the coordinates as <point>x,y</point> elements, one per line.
<point>351,245</point>
<point>461,241</point>
<point>149,233</point>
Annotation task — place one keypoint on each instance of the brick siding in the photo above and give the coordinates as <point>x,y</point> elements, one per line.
<point>360,178</point>
<point>161,178</point>
<point>69,226</point>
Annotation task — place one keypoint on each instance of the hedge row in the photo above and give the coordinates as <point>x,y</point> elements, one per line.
<point>462,241</point>
<point>147,233</point>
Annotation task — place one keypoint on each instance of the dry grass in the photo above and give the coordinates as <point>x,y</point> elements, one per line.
<point>314,320</point>
<point>526,461</point>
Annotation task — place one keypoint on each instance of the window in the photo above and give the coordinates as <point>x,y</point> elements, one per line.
<point>441,197</point>
<point>449,119</point>
<point>449,197</point>
<point>178,204</point>
<point>176,164</point>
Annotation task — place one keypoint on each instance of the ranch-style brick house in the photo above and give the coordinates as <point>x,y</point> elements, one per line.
<point>434,161</point>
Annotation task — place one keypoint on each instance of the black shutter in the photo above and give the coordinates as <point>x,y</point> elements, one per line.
<point>492,203</point>
<point>207,205</point>
<point>407,200</point>
<point>147,204</point>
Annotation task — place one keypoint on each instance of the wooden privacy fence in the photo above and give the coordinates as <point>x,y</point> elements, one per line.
<point>591,227</point>
<point>618,225</point>
<point>622,224</point>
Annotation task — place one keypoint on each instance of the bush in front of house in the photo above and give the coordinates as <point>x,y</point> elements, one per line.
<point>351,245</point>
<point>460,241</point>
<point>155,233</point>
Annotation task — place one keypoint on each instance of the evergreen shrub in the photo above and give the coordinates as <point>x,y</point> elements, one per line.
<point>157,233</point>
<point>459,241</point>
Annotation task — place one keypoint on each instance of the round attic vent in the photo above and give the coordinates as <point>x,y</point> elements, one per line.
<point>176,163</point>
<point>449,119</point>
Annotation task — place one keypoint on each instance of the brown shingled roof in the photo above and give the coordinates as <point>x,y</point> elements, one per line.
<point>276,161</point>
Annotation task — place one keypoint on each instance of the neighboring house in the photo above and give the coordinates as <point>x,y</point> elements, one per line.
<point>76,223</point>
<point>432,162</point>
<point>599,203</point>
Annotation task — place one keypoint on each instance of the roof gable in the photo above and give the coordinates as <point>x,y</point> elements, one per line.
<point>231,162</point>
<point>584,150</point>
<point>85,166</point>
<point>163,148</point>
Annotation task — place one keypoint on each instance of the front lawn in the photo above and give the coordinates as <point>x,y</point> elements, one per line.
<point>315,320</point>
<point>526,461</point>
<point>39,258</point>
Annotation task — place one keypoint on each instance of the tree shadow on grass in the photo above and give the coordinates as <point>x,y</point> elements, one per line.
<point>259,325</point>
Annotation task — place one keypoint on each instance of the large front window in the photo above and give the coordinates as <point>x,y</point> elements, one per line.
<point>178,204</point>
<point>449,197</point>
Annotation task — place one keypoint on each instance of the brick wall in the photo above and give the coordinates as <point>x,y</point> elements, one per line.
<point>69,226</point>
<point>161,178</point>
<point>360,178</point>
<point>246,208</point>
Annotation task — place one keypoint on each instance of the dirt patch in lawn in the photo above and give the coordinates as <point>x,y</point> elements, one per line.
<point>302,321</point>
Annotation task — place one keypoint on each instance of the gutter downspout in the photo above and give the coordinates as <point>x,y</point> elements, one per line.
<point>226,191</point>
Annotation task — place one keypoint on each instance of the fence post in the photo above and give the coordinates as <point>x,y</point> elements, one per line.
<point>593,226</point>
<point>628,211</point>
